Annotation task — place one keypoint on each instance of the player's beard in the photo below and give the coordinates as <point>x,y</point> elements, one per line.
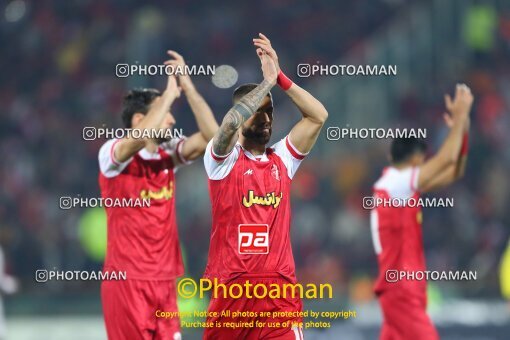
<point>257,135</point>
<point>160,141</point>
<point>164,139</point>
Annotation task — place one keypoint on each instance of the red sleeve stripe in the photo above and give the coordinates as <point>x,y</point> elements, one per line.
<point>220,158</point>
<point>465,145</point>
<point>293,151</point>
<point>112,153</point>
<point>178,151</point>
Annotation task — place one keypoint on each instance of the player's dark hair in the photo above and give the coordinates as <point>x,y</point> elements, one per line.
<point>243,90</point>
<point>404,148</point>
<point>137,101</point>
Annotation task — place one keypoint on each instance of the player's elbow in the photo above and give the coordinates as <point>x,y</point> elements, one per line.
<point>209,134</point>
<point>453,158</point>
<point>448,160</point>
<point>322,115</point>
<point>447,157</point>
<point>460,175</point>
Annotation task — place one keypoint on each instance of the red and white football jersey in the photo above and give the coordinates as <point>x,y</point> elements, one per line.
<point>251,214</point>
<point>396,230</point>
<point>143,241</point>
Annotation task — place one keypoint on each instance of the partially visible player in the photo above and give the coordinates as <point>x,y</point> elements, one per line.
<point>396,230</point>
<point>8,285</point>
<point>143,241</point>
<point>249,186</point>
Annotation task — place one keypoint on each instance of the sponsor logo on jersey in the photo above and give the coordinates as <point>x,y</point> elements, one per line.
<point>270,199</point>
<point>253,239</point>
<point>164,193</point>
<point>249,172</point>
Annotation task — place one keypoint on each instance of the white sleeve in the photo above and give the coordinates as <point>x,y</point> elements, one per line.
<point>2,267</point>
<point>413,182</point>
<point>290,156</point>
<point>8,284</point>
<point>218,167</point>
<point>107,164</point>
<point>174,148</point>
<point>403,184</point>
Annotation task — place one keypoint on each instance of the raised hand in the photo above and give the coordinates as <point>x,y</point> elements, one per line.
<point>178,62</point>
<point>264,43</point>
<point>448,120</point>
<point>172,90</point>
<point>461,104</point>
<point>268,67</point>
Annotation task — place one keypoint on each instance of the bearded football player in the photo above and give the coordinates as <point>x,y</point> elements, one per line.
<point>249,186</point>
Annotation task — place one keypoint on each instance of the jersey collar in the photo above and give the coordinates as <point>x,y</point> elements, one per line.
<point>261,158</point>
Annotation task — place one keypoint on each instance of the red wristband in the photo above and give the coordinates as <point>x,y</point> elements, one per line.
<point>283,81</point>
<point>465,145</point>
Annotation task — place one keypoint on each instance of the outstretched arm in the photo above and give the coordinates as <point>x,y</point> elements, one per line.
<point>453,172</point>
<point>128,146</point>
<point>226,136</point>
<point>304,134</point>
<point>448,155</point>
<point>194,146</point>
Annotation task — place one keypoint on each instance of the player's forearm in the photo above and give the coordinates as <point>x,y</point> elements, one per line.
<point>157,113</point>
<point>449,151</point>
<point>226,136</point>
<point>308,105</point>
<point>462,159</point>
<point>204,116</point>
<point>128,147</point>
<point>454,172</point>
<point>446,177</point>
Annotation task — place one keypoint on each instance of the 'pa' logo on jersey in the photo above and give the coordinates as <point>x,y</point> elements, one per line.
<point>275,173</point>
<point>253,239</point>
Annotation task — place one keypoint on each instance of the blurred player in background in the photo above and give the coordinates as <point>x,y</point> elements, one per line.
<point>144,241</point>
<point>396,231</point>
<point>8,285</point>
<point>249,186</point>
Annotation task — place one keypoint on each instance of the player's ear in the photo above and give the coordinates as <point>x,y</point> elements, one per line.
<point>390,159</point>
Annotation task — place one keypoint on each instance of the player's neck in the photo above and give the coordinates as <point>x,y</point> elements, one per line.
<point>151,147</point>
<point>401,166</point>
<point>254,148</point>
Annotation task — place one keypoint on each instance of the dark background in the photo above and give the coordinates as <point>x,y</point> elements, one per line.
<point>57,76</point>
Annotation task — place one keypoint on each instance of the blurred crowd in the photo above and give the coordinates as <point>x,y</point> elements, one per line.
<point>58,76</point>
